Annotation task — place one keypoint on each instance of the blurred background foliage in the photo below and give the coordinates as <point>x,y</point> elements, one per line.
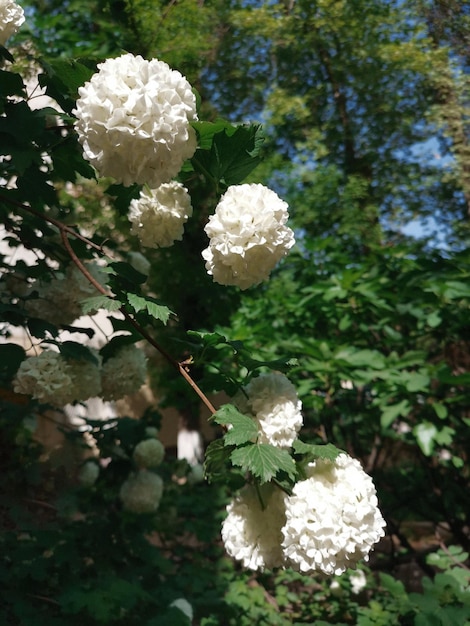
<point>365,107</point>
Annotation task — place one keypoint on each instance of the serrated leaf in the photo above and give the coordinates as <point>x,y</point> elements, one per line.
<point>232,155</point>
<point>243,429</point>
<point>153,308</point>
<point>314,451</point>
<point>263,461</point>
<point>100,302</point>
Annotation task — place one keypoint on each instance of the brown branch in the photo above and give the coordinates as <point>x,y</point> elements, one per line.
<point>65,232</point>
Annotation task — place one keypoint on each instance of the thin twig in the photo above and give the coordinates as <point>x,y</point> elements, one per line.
<point>65,232</point>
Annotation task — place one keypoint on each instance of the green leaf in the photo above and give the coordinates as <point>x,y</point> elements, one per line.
<point>425,434</point>
<point>62,78</point>
<point>11,356</point>
<point>232,155</point>
<point>11,84</point>
<point>153,308</point>
<point>418,381</point>
<point>391,412</point>
<point>128,272</point>
<point>77,352</point>
<point>244,427</point>
<point>263,461</point>
<point>100,302</point>
<point>440,410</point>
<point>325,451</point>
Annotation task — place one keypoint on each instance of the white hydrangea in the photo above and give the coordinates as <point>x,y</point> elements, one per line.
<point>59,300</point>
<point>272,400</point>
<point>142,492</point>
<point>158,215</point>
<point>88,474</point>
<point>248,235</point>
<point>11,18</point>
<point>252,534</point>
<point>45,377</point>
<point>149,453</point>
<point>332,517</point>
<point>133,120</point>
<point>124,373</point>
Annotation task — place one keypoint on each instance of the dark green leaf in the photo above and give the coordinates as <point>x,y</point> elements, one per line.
<point>263,461</point>
<point>325,451</point>
<point>11,356</point>
<point>243,429</point>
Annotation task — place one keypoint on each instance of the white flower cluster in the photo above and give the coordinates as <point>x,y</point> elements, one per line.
<point>11,18</point>
<point>158,215</point>
<point>124,373</point>
<point>142,492</point>
<point>332,517</point>
<point>248,235</point>
<point>133,120</point>
<point>328,524</point>
<point>252,534</point>
<point>46,377</point>
<point>149,453</point>
<point>273,402</point>
<point>59,300</point>
<point>51,378</point>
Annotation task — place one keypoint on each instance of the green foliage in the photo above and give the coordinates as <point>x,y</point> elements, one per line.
<point>372,328</point>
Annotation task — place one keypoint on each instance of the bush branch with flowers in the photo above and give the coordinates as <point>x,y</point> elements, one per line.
<point>306,507</point>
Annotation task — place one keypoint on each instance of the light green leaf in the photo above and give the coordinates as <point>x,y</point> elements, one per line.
<point>317,451</point>
<point>425,434</point>
<point>100,302</point>
<point>390,413</point>
<point>244,427</point>
<point>263,461</point>
<point>153,308</point>
<point>418,381</point>
<point>440,410</point>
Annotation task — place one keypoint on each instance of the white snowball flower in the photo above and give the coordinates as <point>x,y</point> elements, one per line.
<point>158,215</point>
<point>149,453</point>
<point>248,235</point>
<point>252,534</point>
<point>273,402</point>
<point>142,492</point>
<point>124,373</point>
<point>11,18</point>
<point>133,120</point>
<point>46,377</point>
<point>88,474</point>
<point>332,517</point>
<point>59,301</point>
